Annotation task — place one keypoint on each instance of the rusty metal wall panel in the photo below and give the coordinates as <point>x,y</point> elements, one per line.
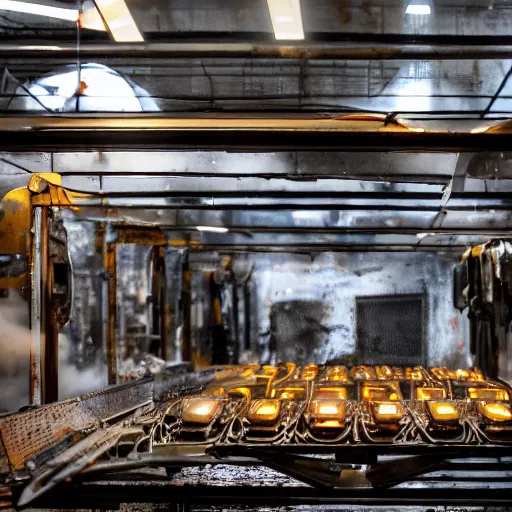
<point>112,402</point>
<point>4,460</point>
<point>27,434</point>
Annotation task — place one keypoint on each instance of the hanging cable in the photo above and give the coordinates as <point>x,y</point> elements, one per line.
<point>78,64</point>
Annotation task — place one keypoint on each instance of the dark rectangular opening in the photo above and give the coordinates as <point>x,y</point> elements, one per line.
<point>391,329</point>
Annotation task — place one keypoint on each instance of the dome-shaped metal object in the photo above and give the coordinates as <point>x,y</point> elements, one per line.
<point>97,88</point>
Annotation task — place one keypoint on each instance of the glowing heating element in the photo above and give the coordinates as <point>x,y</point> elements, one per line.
<point>386,412</point>
<point>200,410</point>
<point>328,413</point>
<point>331,392</point>
<point>264,410</point>
<point>413,374</point>
<point>378,393</point>
<point>338,373</point>
<point>443,411</point>
<point>441,373</point>
<point>384,372</point>
<point>496,412</point>
<point>488,394</point>
<point>430,393</point>
<point>288,393</point>
<point>309,372</point>
<point>461,374</point>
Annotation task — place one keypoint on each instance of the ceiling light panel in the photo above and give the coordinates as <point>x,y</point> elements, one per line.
<point>286,19</point>
<point>417,8</point>
<point>119,21</point>
<point>39,9</point>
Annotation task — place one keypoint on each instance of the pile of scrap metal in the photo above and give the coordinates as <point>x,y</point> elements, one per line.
<point>234,415</point>
<point>483,285</point>
<point>49,444</point>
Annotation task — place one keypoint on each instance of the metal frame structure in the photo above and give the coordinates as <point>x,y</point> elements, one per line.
<point>383,472</point>
<point>45,193</point>
<point>154,238</point>
<point>358,132</point>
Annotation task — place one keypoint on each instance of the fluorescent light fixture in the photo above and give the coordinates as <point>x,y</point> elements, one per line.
<point>212,229</point>
<point>286,19</point>
<point>119,21</point>
<point>90,16</point>
<point>421,7</point>
<point>42,48</point>
<point>418,9</point>
<point>39,9</point>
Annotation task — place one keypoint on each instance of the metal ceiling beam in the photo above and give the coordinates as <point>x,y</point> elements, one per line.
<point>351,133</point>
<point>419,48</point>
<point>94,495</point>
<point>365,219</point>
<point>137,140</point>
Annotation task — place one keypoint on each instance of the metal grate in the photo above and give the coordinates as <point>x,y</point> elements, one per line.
<point>390,330</point>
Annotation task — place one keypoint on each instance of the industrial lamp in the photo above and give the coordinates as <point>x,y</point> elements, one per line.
<point>421,7</point>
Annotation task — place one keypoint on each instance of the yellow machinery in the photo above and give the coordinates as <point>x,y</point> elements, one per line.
<point>32,232</point>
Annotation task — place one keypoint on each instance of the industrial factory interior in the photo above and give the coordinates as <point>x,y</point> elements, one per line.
<point>256,255</point>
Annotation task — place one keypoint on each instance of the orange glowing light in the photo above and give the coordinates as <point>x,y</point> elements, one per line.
<point>337,373</point>
<point>328,412</point>
<point>200,410</point>
<point>264,410</point>
<point>384,372</point>
<point>430,393</point>
<point>496,412</point>
<point>387,412</point>
<point>379,393</point>
<point>340,393</point>
<point>309,372</point>
<point>441,373</point>
<point>287,393</point>
<point>398,373</point>
<point>443,411</point>
<point>413,373</point>
<point>476,375</point>
<point>488,394</point>
<point>328,424</point>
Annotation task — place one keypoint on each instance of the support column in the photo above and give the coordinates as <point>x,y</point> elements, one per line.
<point>44,329</point>
<point>111,299</point>
<point>186,302</point>
<point>49,326</point>
<point>35,311</point>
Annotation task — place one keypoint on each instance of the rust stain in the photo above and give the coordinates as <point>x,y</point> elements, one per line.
<point>26,434</point>
<point>146,236</point>
<point>345,14</point>
<point>185,243</point>
<point>110,268</point>
<point>4,462</point>
<point>297,52</point>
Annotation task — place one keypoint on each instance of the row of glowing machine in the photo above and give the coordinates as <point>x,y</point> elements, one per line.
<point>331,395</point>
